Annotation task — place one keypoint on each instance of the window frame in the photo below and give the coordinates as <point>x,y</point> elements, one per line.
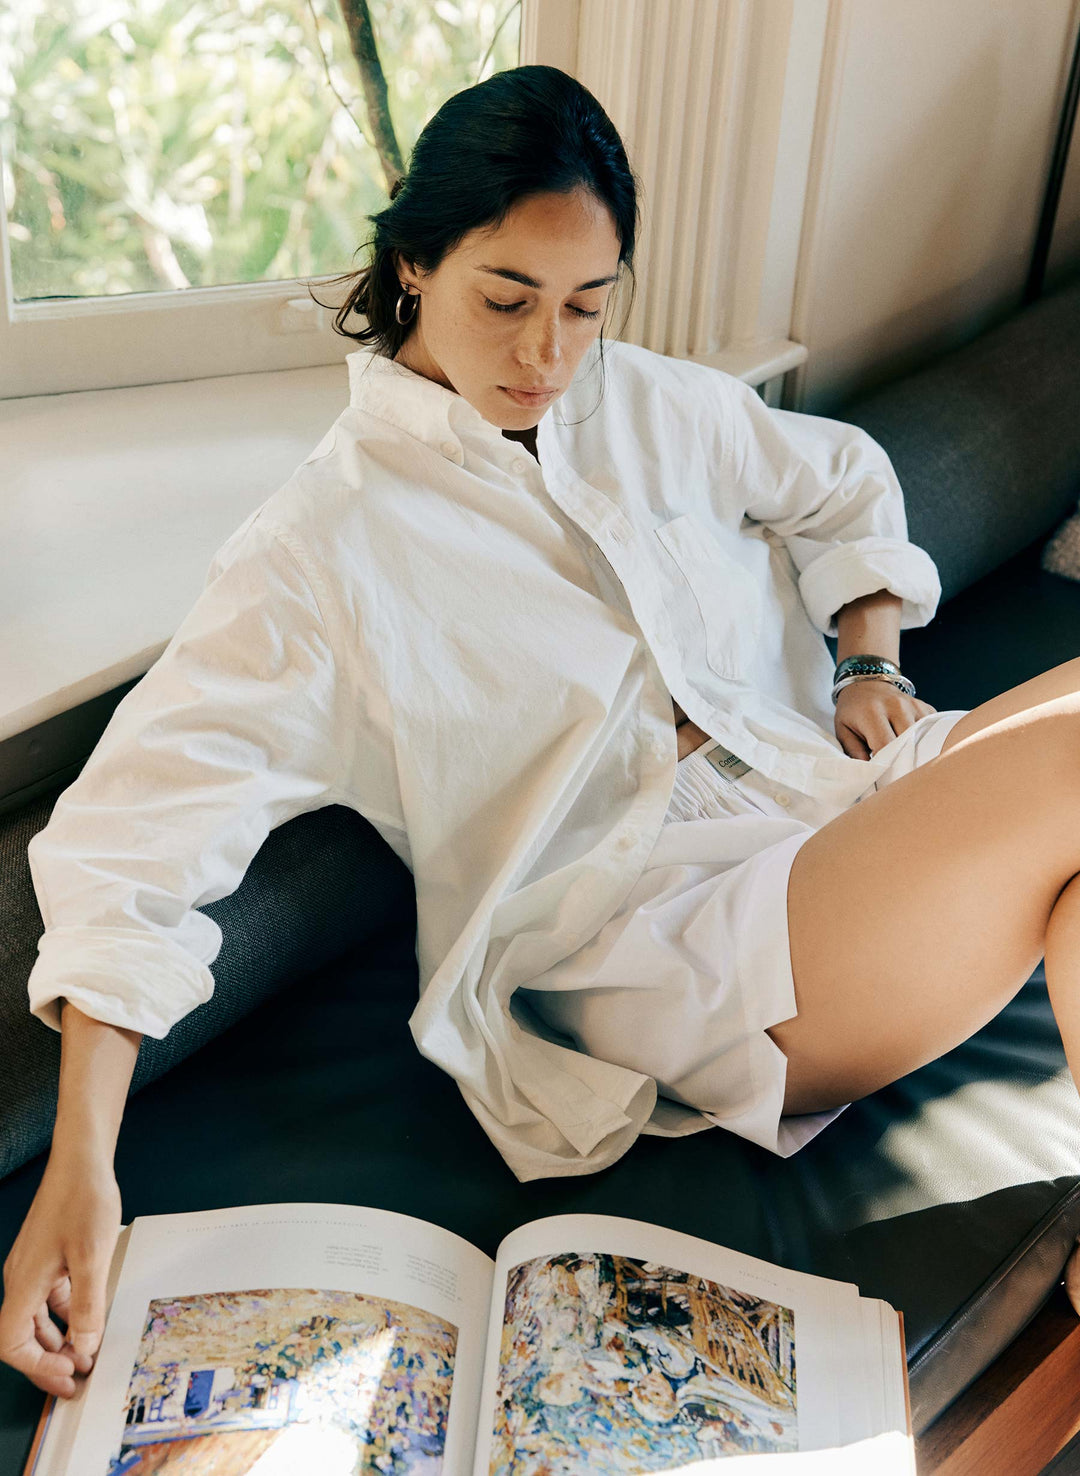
<point>54,346</point>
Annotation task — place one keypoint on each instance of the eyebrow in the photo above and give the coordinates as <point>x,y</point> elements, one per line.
<point>525,281</point>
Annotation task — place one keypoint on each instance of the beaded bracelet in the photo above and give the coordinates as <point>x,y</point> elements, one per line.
<point>866,665</point>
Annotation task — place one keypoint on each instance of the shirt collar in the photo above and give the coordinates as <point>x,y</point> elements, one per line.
<point>438,416</point>
<point>420,407</point>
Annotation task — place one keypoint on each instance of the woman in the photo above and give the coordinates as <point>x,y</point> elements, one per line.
<point>571,667</point>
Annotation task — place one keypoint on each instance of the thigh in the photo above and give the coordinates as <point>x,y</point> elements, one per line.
<point>1060,681</point>
<point>914,916</point>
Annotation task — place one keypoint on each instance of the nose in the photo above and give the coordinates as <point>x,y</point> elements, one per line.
<point>540,348</point>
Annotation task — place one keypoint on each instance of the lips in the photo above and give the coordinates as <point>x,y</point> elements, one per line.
<point>529,397</point>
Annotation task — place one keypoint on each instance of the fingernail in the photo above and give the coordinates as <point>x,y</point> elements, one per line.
<point>84,1344</point>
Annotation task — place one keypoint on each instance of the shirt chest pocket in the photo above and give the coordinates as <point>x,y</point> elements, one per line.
<point>726,593</point>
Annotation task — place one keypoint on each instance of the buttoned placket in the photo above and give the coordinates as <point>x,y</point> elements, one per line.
<point>606,529</point>
<point>437,418</point>
<point>614,536</point>
<point>611,528</point>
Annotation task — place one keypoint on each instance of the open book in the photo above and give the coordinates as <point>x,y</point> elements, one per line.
<point>295,1338</point>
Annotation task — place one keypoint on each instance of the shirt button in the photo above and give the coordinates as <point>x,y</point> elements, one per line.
<point>625,840</point>
<point>782,799</point>
<point>449,448</point>
<point>519,464</point>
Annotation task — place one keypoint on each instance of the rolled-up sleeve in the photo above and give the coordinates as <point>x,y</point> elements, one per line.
<point>829,491</point>
<point>235,729</point>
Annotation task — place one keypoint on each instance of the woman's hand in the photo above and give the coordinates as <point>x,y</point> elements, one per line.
<point>59,1263</point>
<point>870,714</point>
<point>60,1260</point>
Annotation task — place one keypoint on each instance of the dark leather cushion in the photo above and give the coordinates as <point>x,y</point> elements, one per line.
<point>954,1193</point>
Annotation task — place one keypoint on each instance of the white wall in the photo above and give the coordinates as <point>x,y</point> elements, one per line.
<point>944,118</point>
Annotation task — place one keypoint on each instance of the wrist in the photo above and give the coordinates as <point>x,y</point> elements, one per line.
<point>96,1064</point>
<point>870,623</point>
<point>82,1146</point>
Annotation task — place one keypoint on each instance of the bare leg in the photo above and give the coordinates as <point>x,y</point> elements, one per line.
<point>1059,681</point>
<point>916,915</point>
<point>1063,986</point>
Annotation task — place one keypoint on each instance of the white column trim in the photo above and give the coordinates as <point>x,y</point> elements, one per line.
<point>819,183</point>
<point>715,101</point>
<point>550,39</point>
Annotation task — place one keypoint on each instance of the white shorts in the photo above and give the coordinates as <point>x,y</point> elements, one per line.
<point>682,982</point>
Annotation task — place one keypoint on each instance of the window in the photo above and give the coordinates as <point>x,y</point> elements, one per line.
<point>175,170</point>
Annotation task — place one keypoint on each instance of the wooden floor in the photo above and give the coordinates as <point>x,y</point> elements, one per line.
<point>1021,1412</point>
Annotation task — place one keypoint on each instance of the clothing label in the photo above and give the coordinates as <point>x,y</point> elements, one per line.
<point>727,763</point>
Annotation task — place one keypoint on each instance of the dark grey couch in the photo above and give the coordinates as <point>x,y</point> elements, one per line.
<point>954,1193</point>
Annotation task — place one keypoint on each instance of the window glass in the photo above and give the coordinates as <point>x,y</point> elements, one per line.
<point>149,145</point>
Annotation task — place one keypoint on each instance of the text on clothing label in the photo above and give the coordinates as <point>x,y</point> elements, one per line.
<point>727,763</point>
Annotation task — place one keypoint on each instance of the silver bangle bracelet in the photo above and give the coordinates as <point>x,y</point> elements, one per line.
<point>904,683</point>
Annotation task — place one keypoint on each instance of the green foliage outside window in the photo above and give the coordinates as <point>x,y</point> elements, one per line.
<point>157,144</point>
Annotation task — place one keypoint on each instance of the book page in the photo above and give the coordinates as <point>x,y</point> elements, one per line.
<point>861,1407</point>
<point>894,1357</point>
<point>291,1337</point>
<point>617,1348</point>
<point>889,1454</point>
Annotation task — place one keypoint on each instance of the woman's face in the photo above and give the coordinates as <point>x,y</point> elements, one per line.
<point>516,308</point>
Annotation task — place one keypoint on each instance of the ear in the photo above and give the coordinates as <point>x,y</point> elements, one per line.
<point>405,271</point>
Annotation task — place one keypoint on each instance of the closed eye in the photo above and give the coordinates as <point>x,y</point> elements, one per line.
<point>510,307</point>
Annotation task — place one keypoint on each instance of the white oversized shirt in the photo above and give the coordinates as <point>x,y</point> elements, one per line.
<point>478,652</point>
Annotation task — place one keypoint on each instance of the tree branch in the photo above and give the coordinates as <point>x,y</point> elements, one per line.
<point>373,82</point>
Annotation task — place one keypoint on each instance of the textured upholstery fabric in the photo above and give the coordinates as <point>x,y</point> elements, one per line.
<point>322,884</point>
<point>986,439</point>
<point>1062,552</point>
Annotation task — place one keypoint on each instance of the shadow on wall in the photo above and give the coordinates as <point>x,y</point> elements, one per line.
<point>971,212</point>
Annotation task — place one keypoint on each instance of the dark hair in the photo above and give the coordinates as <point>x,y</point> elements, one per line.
<point>526,131</point>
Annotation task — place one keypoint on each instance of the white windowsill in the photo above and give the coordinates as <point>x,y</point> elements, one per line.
<point>112,503</point>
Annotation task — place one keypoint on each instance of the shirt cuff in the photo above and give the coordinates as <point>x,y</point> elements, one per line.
<point>851,570</point>
<point>137,980</point>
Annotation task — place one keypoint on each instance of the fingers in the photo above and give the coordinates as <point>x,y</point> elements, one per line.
<point>873,717</point>
<point>22,1322</point>
<point>59,1297</point>
<point>45,1329</point>
<point>29,1339</point>
<point>59,1267</point>
<point>854,746</point>
<point>52,1373</point>
<point>60,1303</point>
<point>85,1312</point>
